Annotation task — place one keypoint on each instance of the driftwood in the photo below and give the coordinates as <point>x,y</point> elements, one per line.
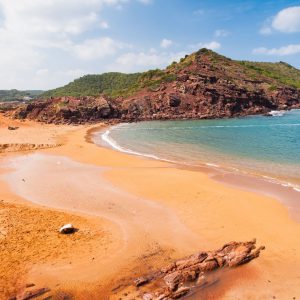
<point>183,276</point>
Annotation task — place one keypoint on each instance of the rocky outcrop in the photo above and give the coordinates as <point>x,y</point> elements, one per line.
<point>68,110</point>
<point>202,86</point>
<point>191,273</point>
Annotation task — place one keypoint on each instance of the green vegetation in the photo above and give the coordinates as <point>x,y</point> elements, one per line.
<point>111,84</point>
<point>281,72</point>
<point>183,63</point>
<point>15,95</point>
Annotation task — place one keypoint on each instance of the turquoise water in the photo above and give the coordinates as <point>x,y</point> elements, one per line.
<point>258,144</point>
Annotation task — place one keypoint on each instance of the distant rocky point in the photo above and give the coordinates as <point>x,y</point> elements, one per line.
<point>202,85</point>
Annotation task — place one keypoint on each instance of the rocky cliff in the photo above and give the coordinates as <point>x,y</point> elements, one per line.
<point>202,85</point>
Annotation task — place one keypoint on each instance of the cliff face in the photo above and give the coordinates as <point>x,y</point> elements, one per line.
<point>202,85</point>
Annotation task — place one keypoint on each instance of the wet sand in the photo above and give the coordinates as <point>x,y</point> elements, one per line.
<point>153,212</point>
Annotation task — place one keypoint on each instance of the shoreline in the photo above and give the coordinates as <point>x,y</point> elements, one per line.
<point>211,212</point>
<point>283,191</point>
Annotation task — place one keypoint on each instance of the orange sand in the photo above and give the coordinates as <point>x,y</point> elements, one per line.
<point>206,214</point>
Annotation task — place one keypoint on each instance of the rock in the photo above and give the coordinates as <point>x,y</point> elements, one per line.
<point>174,101</point>
<point>67,229</point>
<point>193,270</point>
<point>32,294</point>
<point>12,128</point>
<point>202,280</point>
<point>192,260</point>
<point>141,281</point>
<point>162,297</point>
<point>172,280</point>
<point>189,275</point>
<point>183,77</point>
<point>182,291</point>
<point>148,296</point>
<point>28,285</point>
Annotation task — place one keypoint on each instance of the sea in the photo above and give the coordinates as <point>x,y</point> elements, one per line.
<point>266,147</point>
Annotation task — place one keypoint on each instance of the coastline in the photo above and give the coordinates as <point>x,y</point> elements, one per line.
<point>283,191</point>
<point>212,212</point>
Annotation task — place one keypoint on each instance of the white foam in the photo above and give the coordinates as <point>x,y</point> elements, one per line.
<point>285,184</point>
<point>106,138</point>
<point>212,165</point>
<point>211,126</point>
<point>277,113</point>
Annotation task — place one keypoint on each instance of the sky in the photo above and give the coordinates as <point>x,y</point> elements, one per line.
<point>48,43</point>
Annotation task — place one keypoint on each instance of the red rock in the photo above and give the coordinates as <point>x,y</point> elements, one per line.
<point>173,279</point>
<point>141,281</point>
<point>32,294</point>
<point>194,269</point>
<point>202,280</point>
<point>148,296</point>
<point>182,291</point>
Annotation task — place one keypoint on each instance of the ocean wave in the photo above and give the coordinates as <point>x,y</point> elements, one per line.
<point>110,141</point>
<point>285,184</point>
<point>212,165</point>
<point>205,127</point>
<point>276,113</point>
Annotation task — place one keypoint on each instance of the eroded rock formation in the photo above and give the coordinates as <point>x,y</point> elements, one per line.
<point>183,276</point>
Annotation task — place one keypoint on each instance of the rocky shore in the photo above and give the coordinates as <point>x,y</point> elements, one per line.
<point>204,85</point>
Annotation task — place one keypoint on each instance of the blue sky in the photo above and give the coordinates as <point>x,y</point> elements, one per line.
<point>47,43</point>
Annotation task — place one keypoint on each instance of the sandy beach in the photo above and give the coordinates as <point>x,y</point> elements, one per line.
<point>133,214</point>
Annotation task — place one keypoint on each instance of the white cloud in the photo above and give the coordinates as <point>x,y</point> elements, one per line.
<point>165,43</point>
<point>144,60</point>
<point>104,25</point>
<point>55,78</point>
<point>140,61</point>
<point>282,51</point>
<point>97,48</point>
<point>52,17</point>
<point>42,72</point>
<point>221,33</point>
<point>213,45</point>
<point>287,20</point>
<point>39,33</point>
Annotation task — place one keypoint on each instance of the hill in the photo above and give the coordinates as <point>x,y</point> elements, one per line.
<point>119,84</point>
<point>201,85</point>
<point>16,95</point>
